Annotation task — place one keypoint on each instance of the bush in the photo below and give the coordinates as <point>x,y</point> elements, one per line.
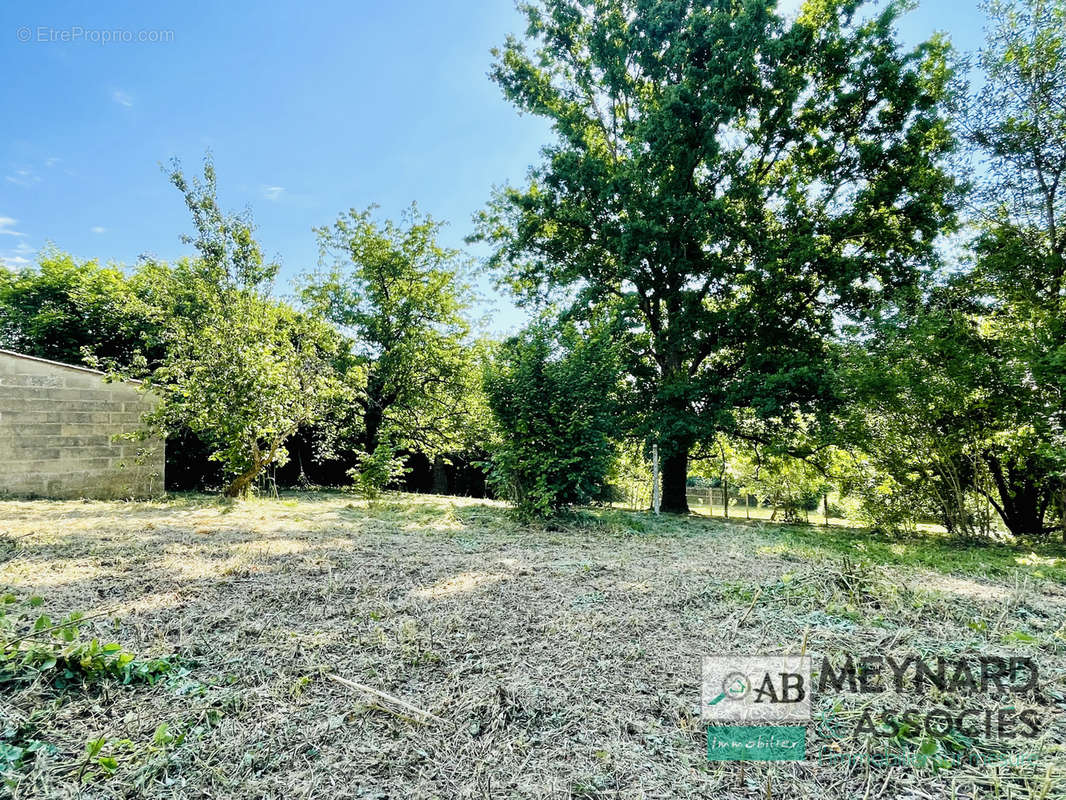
<point>554,393</point>
<point>885,505</point>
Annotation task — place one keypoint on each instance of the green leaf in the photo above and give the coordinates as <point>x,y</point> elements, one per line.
<point>94,746</point>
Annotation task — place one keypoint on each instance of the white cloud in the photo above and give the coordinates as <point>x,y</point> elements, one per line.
<point>15,257</point>
<point>122,98</point>
<point>23,177</point>
<point>52,161</point>
<point>5,227</point>
<point>98,229</point>
<point>273,192</point>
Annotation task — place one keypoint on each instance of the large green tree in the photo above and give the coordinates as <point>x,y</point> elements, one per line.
<point>398,294</point>
<point>242,371</point>
<point>1019,276</point>
<point>731,182</point>
<point>77,312</point>
<point>959,398</point>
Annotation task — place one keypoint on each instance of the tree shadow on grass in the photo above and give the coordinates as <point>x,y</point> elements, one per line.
<point>582,640</point>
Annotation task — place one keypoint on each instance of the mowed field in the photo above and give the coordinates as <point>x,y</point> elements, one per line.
<point>516,661</point>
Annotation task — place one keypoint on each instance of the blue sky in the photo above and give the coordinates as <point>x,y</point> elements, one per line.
<point>309,108</point>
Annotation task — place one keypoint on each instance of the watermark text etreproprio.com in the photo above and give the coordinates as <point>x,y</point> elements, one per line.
<point>47,34</point>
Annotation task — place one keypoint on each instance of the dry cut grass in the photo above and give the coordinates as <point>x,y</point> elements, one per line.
<point>529,662</point>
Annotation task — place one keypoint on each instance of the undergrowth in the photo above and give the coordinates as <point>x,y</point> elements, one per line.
<point>53,660</point>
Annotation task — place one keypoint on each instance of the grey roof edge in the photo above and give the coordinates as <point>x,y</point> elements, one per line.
<point>61,364</point>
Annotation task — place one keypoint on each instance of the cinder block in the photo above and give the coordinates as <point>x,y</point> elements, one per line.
<point>57,429</point>
<point>78,429</point>
<point>44,381</point>
<point>37,459</point>
<point>23,392</point>
<point>32,417</point>
<point>26,432</point>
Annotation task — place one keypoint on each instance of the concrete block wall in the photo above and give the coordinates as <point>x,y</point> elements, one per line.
<point>57,424</point>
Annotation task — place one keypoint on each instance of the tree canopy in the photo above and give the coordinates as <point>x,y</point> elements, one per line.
<point>76,312</point>
<point>400,297</point>
<point>807,262</point>
<point>729,182</point>
<point>241,372</point>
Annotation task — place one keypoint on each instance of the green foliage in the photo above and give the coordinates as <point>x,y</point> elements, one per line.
<point>230,257</point>
<point>44,656</point>
<point>884,504</point>
<point>242,372</point>
<point>554,395</point>
<point>958,398</point>
<point>930,551</point>
<point>400,298</point>
<point>1019,277</point>
<point>73,312</point>
<point>630,476</point>
<point>789,485</point>
<point>53,653</point>
<point>379,468</point>
<point>754,202</point>
<point>730,183</point>
<point>244,380</point>
<point>927,396</point>
<point>17,752</point>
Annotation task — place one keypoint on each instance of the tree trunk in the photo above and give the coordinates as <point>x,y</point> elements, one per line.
<point>377,402</point>
<point>675,478</point>
<point>1062,511</point>
<point>240,484</point>
<point>1022,502</point>
<point>1022,519</point>
<point>440,476</point>
<point>372,425</point>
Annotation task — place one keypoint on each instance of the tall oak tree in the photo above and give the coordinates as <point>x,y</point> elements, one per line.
<point>732,182</point>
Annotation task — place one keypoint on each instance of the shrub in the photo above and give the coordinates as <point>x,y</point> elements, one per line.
<point>554,396</point>
<point>884,504</point>
<point>43,657</point>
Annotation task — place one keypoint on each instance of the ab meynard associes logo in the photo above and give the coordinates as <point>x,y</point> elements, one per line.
<point>758,708</point>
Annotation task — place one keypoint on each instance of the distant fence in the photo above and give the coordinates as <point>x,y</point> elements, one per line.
<point>638,497</point>
<point>712,496</point>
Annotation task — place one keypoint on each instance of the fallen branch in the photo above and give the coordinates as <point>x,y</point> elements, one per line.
<point>383,696</point>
